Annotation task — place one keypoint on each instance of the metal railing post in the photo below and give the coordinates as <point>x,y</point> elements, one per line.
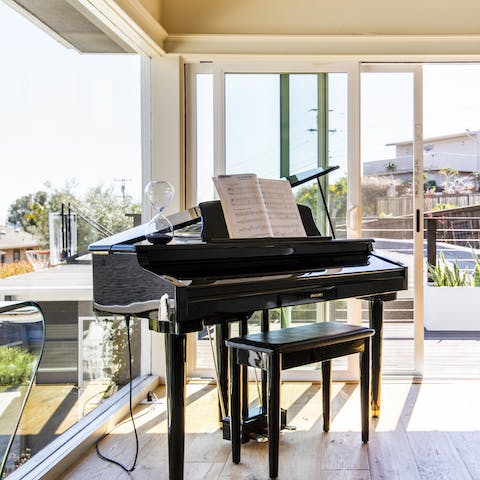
<point>431,242</point>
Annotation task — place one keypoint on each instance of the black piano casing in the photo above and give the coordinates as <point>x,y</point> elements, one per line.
<point>122,286</point>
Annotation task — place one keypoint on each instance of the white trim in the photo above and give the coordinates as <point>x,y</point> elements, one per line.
<point>354,207</point>
<point>167,138</point>
<point>219,149</point>
<point>114,21</point>
<point>335,45</point>
<point>191,139</point>
<point>418,206</point>
<point>191,71</point>
<point>146,130</point>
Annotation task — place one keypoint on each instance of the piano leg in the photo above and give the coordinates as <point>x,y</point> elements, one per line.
<point>265,327</point>
<point>221,335</point>
<point>376,322</point>
<point>175,347</point>
<point>244,374</point>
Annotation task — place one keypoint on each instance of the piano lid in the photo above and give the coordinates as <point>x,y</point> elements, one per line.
<point>248,257</point>
<point>137,234</point>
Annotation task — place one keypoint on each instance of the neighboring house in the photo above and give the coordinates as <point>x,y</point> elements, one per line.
<point>458,151</point>
<point>14,243</point>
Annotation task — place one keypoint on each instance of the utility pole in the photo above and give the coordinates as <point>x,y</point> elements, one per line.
<point>474,137</point>
<point>123,182</point>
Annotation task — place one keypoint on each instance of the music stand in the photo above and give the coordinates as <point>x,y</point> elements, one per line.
<point>304,177</point>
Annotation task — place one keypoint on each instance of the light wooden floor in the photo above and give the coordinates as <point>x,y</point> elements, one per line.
<point>429,430</point>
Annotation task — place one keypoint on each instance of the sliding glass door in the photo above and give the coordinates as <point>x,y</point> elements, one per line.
<point>368,120</point>
<point>274,123</point>
<point>391,193</point>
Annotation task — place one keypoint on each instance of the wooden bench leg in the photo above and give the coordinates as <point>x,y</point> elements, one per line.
<point>235,405</point>
<point>273,409</point>
<point>365,388</point>
<point>326,387</point>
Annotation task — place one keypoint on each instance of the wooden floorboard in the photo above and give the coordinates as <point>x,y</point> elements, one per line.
<point>428,430</point>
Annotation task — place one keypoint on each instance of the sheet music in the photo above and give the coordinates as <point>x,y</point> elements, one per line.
<point>258,207</point>
<point>282,210</point>
<point>243,206</point>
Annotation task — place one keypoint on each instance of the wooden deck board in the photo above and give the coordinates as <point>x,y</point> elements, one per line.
<point>446,355</point>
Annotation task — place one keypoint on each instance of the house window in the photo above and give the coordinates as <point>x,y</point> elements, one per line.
<point>16,255</point>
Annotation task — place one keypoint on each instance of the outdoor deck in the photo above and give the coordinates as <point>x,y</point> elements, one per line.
<point>452,355</point>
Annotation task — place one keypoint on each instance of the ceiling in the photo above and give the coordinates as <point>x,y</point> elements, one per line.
<point>158,27</point>
<point>70,26</point>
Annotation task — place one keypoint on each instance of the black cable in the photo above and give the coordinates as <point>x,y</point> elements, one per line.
<point>111,460</point>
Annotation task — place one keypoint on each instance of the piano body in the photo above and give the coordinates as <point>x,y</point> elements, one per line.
<point>184,285</point>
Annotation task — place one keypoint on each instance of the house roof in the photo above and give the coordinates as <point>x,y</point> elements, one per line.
<point>13,238</point>
<point>62,283</point>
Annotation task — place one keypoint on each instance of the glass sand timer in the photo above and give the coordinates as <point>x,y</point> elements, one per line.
<point>159,194</point>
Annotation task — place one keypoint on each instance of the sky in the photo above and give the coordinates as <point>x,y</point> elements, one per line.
<point>451,104</point>
<point>64,115</point>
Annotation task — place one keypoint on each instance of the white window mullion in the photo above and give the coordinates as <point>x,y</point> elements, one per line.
<point>418,208</point>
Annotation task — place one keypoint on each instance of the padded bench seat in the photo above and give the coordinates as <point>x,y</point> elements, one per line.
<point>278,350</point>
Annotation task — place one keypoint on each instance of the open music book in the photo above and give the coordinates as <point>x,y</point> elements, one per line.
<point>258,207</point>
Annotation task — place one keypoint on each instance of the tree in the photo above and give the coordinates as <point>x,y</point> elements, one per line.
<point>373,189</point>
<point>98,206</point>
<point>28,211</point>
<point>336,198</point>
<point>337,195</point>
<point>104,207</point>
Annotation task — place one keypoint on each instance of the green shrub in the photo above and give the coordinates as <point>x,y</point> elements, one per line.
<point>15,365</point>
<point>444,206</point>
<point>448,274</point>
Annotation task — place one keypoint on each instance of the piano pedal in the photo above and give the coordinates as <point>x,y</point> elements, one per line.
<point>290,428</point>
<point>259,438</point>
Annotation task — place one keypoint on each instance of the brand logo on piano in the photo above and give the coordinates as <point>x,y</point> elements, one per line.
<point>317,295</point>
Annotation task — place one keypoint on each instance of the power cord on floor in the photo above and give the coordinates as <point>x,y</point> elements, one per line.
<point>103,457</point>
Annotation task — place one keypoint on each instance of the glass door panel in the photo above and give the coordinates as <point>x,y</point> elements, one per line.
<point>274,125</point>
<point>204,136</point>
<point>452,212</point>
<point>252,119</point>
<point>281,124</point>
<point>387,195</point>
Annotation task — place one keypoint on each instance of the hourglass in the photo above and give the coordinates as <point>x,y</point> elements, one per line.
<point>159,194</point>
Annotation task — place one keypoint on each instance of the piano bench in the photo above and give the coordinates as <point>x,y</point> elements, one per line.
<point>288,348</point>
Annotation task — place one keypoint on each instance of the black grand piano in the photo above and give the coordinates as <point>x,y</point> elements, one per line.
<point>189,283</point>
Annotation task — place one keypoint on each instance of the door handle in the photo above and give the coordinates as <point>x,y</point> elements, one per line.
<point>352,218</point>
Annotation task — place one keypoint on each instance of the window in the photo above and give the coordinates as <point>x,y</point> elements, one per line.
<point>71,128</point>
<point>272,124</point>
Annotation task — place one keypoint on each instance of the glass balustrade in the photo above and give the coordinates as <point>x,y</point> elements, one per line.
<point>22,338</point>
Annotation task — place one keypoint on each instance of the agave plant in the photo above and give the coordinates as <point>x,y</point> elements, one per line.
<point>449,274</point>
<point>476,271</point>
